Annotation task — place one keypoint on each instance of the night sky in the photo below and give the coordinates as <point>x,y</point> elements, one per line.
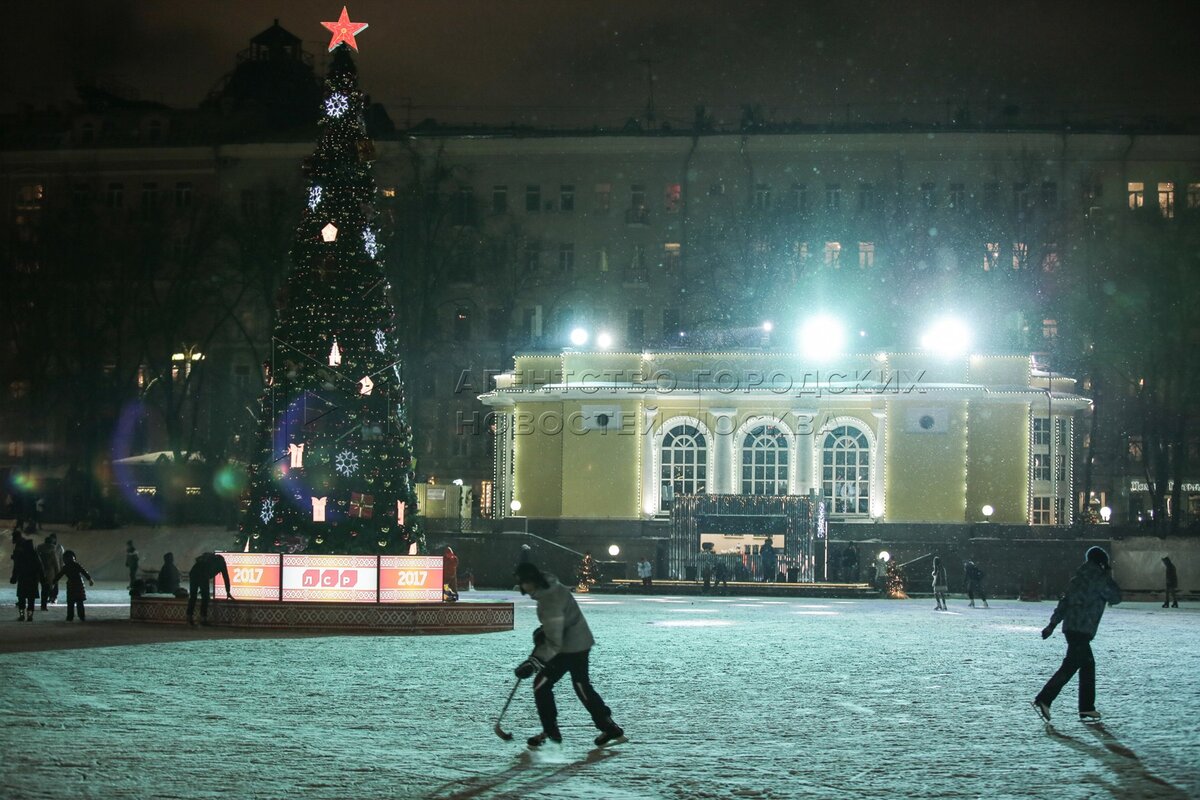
<point>560,62</point>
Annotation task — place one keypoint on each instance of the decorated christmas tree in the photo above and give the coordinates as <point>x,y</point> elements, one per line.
<point>334,472</point>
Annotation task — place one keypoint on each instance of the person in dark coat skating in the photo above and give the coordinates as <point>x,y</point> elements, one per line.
<point>75,573</point>
<point>131,561</point>
<point>1079,611</point>
<point>973,577</point>
<point>1172,592</point>
<point>27,575</point>
<point>770,561</point>
<point>207,567</point>
<point>563,648</point>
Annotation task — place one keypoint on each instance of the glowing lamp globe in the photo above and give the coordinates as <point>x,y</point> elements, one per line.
<point>604,340</point>
<point>947,337</point>
<point>822,337</point>
<point>579,337</point>
<point>885,556</point>
<point>515,505</point>
<point>987,511</point>
<point>613,550</point>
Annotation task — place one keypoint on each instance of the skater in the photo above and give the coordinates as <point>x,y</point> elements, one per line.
<point>973,577</point>
<point>707,562</point>
<point>1172,592</point>
<point>850,563</point>
<point>168,575</point>
<point>940,584</point>
<point>207,567</point>
<point>27,575</point>
<point>565,648</point>
<point>75,574</point>
<point>645,572</point>
<point>1079,611</point>
<point>131,561</point>
<point>449,576</point>
<point>721,577</point>
<point>769,561</point>
<point>50,555</point>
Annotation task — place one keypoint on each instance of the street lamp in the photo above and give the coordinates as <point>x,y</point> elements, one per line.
<point>947,337</point>
<point>604,340</point>
<point>1105,513</point>
<point>987,513</point>
<point>515,505</point>
<point>614,551</point>
<point>579,337</point>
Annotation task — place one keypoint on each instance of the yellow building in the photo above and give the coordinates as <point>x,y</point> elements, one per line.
<point>886,437</point>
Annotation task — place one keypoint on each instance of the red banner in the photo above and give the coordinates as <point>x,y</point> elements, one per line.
<point>408,579</point>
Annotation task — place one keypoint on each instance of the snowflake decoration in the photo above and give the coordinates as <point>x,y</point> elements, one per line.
<point>345,463</point>
<point>380,341</point>
<point>370,244</point>
<point>396,370</point>
<point>268,510</point>
<point>336,105</point>
<point>314,198</point>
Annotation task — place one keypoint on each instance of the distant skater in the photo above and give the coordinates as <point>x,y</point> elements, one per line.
<point>645,572</point>
<point>449,576</point>
<point>973,577</point>
<point>941,584</point>
<point>721,577</point>
<point>770,561</point>
<point>207,567</point>
<point>26,574</point>
<point>1172,592</point>
<point>564,647</point>
<point>1079,611</point>
<point>75,573</point>
<point>50,555</point>
<point>131,561</point>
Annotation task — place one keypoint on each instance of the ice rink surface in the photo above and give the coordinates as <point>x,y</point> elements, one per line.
<point>722,697</point>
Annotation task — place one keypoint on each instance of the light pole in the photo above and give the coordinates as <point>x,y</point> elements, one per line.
<point>515,505</point>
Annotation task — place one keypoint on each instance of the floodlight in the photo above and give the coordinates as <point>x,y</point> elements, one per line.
<point>579,337</point>
<point>947,337</point>
<point>822,336</point>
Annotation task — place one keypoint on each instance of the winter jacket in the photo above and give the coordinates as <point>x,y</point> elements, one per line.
<point>940,582</point>
<point>1081,608</point>
<point>27,570</point>
<point>562,622</point>
<point>1172,576</point>
<point>75,574</point>
<point>168,577</point>
<point>50,556</point>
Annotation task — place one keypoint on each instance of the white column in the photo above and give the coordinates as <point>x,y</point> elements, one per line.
<point>878,471</point>
<point>804,422</point>
<point>724,451</point>
<point>650,483</point>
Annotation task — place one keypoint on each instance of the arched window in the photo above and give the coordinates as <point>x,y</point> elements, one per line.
<point>683,466</point>
<point>846,471</point>
<point>765,461</point>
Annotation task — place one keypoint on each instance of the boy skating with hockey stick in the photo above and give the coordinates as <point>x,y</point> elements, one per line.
<point>565,646</point>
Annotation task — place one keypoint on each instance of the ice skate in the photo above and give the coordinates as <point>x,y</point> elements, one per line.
<point>1042,709</point>
<point>1175,605</point>
<point>985,605</point>
<point>971,604</point>
<point>1165,605</point>
<point>540,739</point>
<point>1089,716</point>
<point>613,734</point>
<point>21,616</point>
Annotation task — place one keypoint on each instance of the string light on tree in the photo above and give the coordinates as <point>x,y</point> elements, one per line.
<point>370,244</point>
<point>381,343</point>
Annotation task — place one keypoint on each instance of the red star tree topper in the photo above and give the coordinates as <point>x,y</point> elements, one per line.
<point>344,31</point>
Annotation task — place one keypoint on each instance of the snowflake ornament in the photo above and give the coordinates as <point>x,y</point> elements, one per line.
<point>314,197</point>
<point>370,244</point>
<point>268,510</point>
<point>336,105</point>
<point>380,341</point>
<point>346,463</point>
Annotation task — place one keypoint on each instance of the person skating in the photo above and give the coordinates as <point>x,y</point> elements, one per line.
<point>449,576</point>
<point>941,584</point>
<point>1079,610</point>
<point>770,561</point>
<point>75,573</point>
<point>565,646</point>
<point>1172,592</point>
<point>26,574</point>
<point>207,567</point>
<point>50,555</point>
<point>708,560</point>
<point>131,561</point>
<point>973,577</point>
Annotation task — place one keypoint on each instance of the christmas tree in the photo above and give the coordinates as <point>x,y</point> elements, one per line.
<point>335,471</point>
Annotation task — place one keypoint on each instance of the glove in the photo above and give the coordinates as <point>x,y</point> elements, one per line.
<point>528,668</point>
<point>1047,631</point>
<point>539,636</point>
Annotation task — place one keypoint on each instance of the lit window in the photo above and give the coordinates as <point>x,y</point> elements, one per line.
<point>991,256</point>
<point>671,252</point>
<point>1193,195</point>
<point>1166,199</point>
<point>683,464</point>
<point>1049,328</point>
<point>765,461</point>
<point>866,254</point>
<point>1041,431</point>
<point>1137,195</point>
<point>846,471</point>
<point>1041,467</point>
<point>389,191</point>
<point>801,252</point>
<point>833,254</point>
<point>1020,255</point>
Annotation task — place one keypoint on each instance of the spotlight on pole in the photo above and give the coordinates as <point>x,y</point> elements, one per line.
<point>579,337</point>
<point>947,337</point>
<point>768,326</point>
<point>604,340</point>
<point>822,337</point>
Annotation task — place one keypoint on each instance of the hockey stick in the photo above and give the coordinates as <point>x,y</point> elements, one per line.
<point>500,731</point>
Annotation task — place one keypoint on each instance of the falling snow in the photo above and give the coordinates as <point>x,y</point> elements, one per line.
<point>721,697</point>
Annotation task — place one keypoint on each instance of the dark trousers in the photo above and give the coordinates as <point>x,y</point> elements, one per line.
<point>49,593</point>
<point>975,588</point>
<point>543,691</point>
<point>1171,596</point>
<point>193,588</point>
<point>1078,659</point>
<point>72,607</point>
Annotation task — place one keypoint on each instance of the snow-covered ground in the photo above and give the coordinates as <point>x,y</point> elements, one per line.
<point>721,697</point>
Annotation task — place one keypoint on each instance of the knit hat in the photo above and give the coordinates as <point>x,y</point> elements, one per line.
<point>529,573</point>
<point>1097,555</point>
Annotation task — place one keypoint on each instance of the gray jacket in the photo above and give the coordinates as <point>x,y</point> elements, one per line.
<point>562,622</point>
<point>1081,608</point>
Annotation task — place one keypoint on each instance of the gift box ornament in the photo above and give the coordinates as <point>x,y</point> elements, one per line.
<point>362,505</point>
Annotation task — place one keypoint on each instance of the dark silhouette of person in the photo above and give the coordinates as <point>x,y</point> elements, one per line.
<point>168,575</point>
<point>450,575</point>
<point>850,563</point>
<point>26,574</point>
<point>770,560</point>
<point>1172,591</point>
<point>207,567</point>
<point>1079,610</point>
<point>75,573</point>
<point>50,555</point>
<point>131,561</point>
